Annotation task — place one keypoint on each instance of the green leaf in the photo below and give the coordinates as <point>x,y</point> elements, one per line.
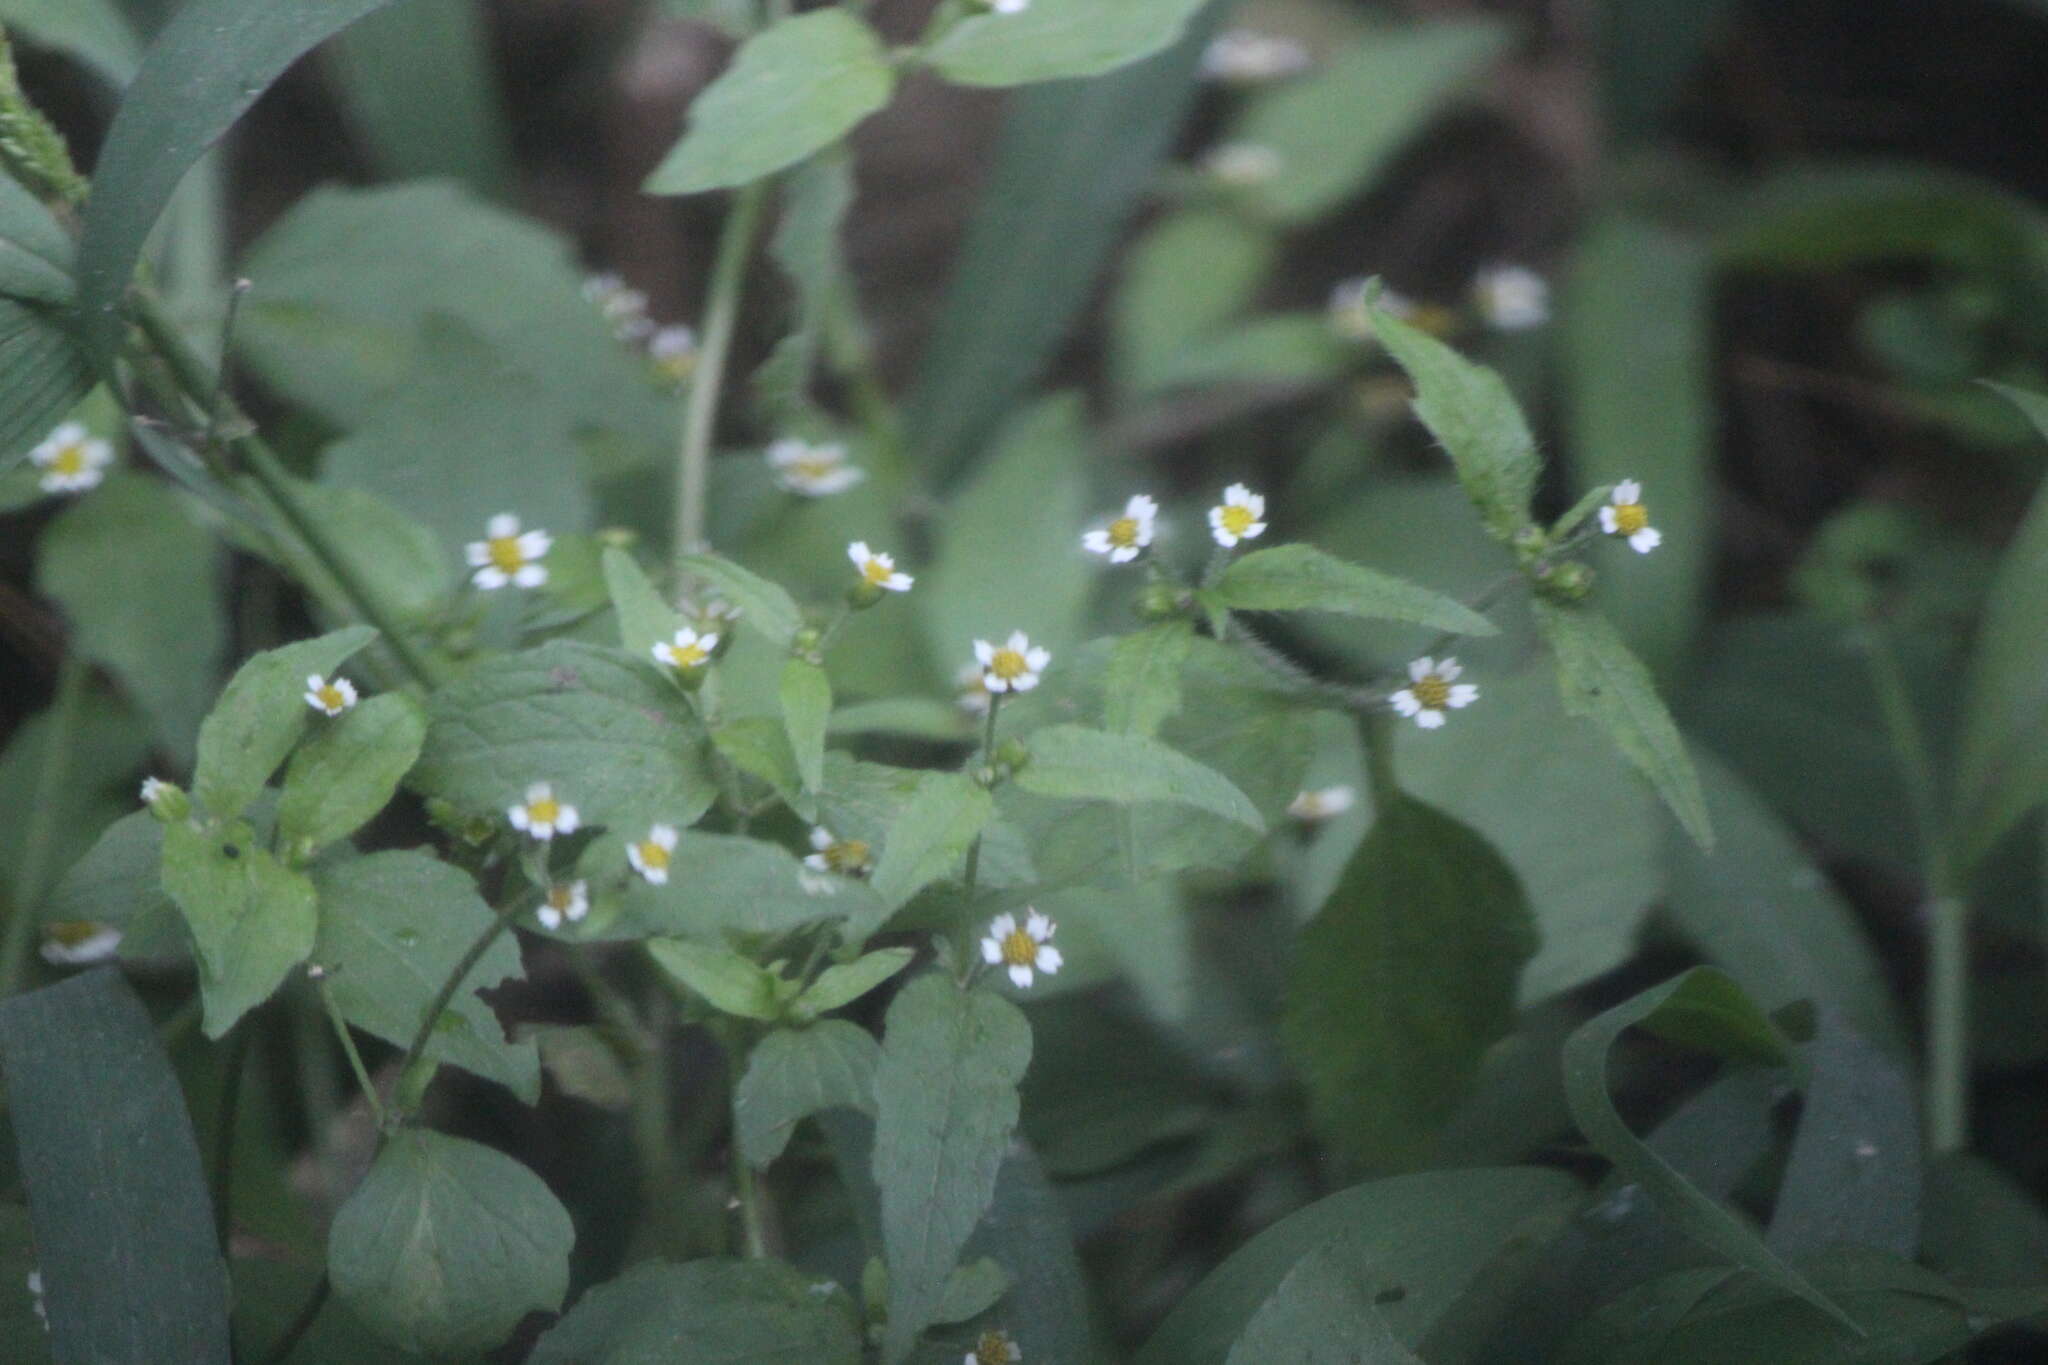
<point>252,918</point>
<point>1026,1233</point>
<point>849,981</point>
<point>419,84</point>
<point>806,707</point>
<point>1142,688</point>
<point>1475,418</point>
<point>764,606</point>
<point>447,1244</point>
<point>398,559</point>
<point>347,771</point>
<point>946,1105</point>
<point>118,880</point>
<point>260,716</point>
<point>35,251</point>
<point>1285,350</point>
<point>931,835</point>
<point>797,86</point>
<point>106,1153</point>
<point>1336,128</point>
<point>795,1073</point>
<point>393,927</point>
<point>205,69</point>
<point>140,580</point>
<point>728,1313</point>
<point>1055,40</point>
<point>1422,1242</point>
<point>1403,980</point>
<point>103,745</point>
<point>1080,764</point>
<point>1707,1009</point>
<point>970,592</point>
<point>734,984</point>
<point>614,739</point>
<point>2002,760</point>
<point>728,882</point>
<point>43,374</point>
<point>1186,277</point>
<point>1640,402</point>
<point>94,31</point>
<point>816,197</point>
<point>1600,680</point>
<point>973,1288</point>
<point>1303,578</point>
<point>1322,1313</point>
<point>645,617</point>
<point>759,746</point>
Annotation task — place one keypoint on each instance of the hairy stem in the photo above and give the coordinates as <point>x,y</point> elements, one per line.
<point>463,968</point>
<point>51,775</point>
<point>700,403</point>
<point>987,759</point>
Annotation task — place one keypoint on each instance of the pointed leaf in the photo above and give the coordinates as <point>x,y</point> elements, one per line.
<point>764,606</point>
<point>1142,688</point>
<point>1055,40</point>
<point>932,834</point>
<point>806,695</point>
<point>731,983</point>
<point>795,1073</point>
<point>1321,1314</point>
<point>1080,764</point>
<point>260,716</point>
<point>849,981</point>
<point>645,617</point>
<point>1303,578</point>
<point>720,1312</point>
<point>252,918</point>
<point>347,771</point>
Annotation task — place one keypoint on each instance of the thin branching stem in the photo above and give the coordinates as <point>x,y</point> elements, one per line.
<point>700,403</point>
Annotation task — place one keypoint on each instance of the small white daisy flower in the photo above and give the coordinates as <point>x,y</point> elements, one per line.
<point>330,698</point>
<point>1313,807</point>
<point>1243,56</point>
<point>674,353</point>
<point>72,459</point>
<point>1124,539</point>
<point>1240,516</point>
<point>877,568</point>
<point>970,690</point>
<point>1242,164</point>
<point>688,650</point>
<point>1013,666</point>
<point>79,943</point>
<point>565,903</point>
<point>994,1348</point>
<point>812,471</point>
<point>625,309</point>
<point>508,555</point>
<point>1511,298</point>
<point>1023,950</point>
<point>542,814</point>
<point>650,856</point>
<point>1431,690</point>
<point>1625,515</point>
<point>847,857</point>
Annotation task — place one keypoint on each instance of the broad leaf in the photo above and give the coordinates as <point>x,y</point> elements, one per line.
<point>795,1073</point>
<point>816,197</point>
<point>931,835</point>
<point>1080,764</point>
<point>260,716</point>
<point>1055,40</point>
<point>393,926</point>
<point>447,1244</point>
<point>806,696</point>
<point>795,87</point>
<point>106,1153</point>
<point>1601,680</point>
<point>118,880</point>
<point>1303,578</point>
<point>35,251</point>
<point>419,84</point>
<point>849,981</point>
<point>94,31</point>
<point>1321,1314</point>
<point>252,918</point>
<point>645,617</point>
<point>946,1105</point>
<point>1403,980</point>
<point>764,606</point>
<point>727,1313</point>
<point>347,771</point>
<point>1143,686</point>
<point>43,374</point>
<point>732,984</point>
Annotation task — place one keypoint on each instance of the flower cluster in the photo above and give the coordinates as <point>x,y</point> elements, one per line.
<point>508,555</point>
<point>1240,516</point>
<point>72,459</point>
<point>671,351</point>
<point>878,570</point>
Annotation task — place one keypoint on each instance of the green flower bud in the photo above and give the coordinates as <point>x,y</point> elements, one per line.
<point>1163,602</point>
<point>166,800</point>
<point>1565,582</point>
<point>863,594</point>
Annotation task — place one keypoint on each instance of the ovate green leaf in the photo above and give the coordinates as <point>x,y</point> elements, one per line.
<point>849,981</point>
<point>1055,40</point>
<point>43,374</point>
<point>931,835</point>
<point>252,918</point>
<point>795,1073</point>
<point>719,1312</point>
<point>733,984</point>
<point>645,617</point>
<point>728,882</point>
<point>1142,688</point>
<point>1080,764</point>
<point>1303,578</point>
<point>806,695</point>
<point>347,771</point>
<point>764,606</point>
<point>1186,277</point>
<point>1321,1314</point>
<point>261,716</point>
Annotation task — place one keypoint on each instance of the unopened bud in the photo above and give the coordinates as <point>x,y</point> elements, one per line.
<point>1566,582</point>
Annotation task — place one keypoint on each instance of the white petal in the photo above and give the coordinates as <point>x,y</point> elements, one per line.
<point>1646,540</point>
<point>1021,974</point>
<point>984,651</point>
<point>1037,659</point>
<point>1256,502</point>
<point>995,684</point>
<point>1448,669</point>
<point>1627,491</point>
<point>663,835</point>
<point>1024,682</point>
<point>1421,668</point>
<point>898,582</point>
<point>1463,695</point>
<point>657,876</point>
<point>858,553</point>
<point>783,453</point>
<point>549,917</point>
<point>539,791</point>
<point>1049,959</point>
<point>518,816</point>
<point>664,654</point>
<point>535,544</point>
<point>1608,523</point>
<point>531,575</point>
<point>502,525</point>
<point>708,642</point>
<point>1430,720</point>
<point>1404,701</point>
<point>1236,494</point>
<point>1002,926</point>
<point>1097,542</point>
<point>1021,643</point>
<point>1123,554</point>
<point>821,838</point>
<point>991,951</point>
<point>1142,508</point>
<point>477,553</point>
<point>1038,926</point>
<point>567,820</point>
<point>490,577</point>
<point>816,862</point>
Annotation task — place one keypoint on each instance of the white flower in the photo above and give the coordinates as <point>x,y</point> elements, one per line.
<point>1625,515</point>
<point>625,309</point>
<point>1242,164</point>
<point>1242,56</point>
<point>77,943</point>
<point>1023,950</point>
<point>813,471</point>
<point>152,788</point>
<point>1009,6</point>
<point>847,857</point>
<point>994,1348</point>
<point>565,903</point>
<point>1313,807</point>
<point>971,690</point>
<point>1124,539</point>
<point>1511,298</point>
<point>674,353</point>
<point>508,556</point>
<point>1013,666</point>
<point>1431,690</point>
<point>1240,516</point>
<point>72,459</point>
<point>878,568</point>
<point>689,650</point>
<point>650,856</point>
<point>541,814</point>
<point>329,698</point>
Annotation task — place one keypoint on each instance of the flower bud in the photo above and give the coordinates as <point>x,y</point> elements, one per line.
<point>1162,602</point>
<point>1565,582</point>
<point>166,800</point>
<point>863,594</point>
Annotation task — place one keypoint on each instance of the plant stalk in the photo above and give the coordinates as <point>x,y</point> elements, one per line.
<point>463,968</point>
<point>700,403</point>
<point>355,1058</point>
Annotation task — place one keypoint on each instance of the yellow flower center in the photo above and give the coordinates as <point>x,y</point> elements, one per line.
<point>847,855</point>
<point>70,460</point>
<point>1630,517</point>
<point>688,656</point>
<point>70,932</point>
<point>1433,692</point>
<point>544,811</point>
<point>560,898</point>
<point>875,571</point>
<point>1123,533</point>
<point>653,856</point>
<point>813,470</point>
<point>993,1348</point>
<point>1009,665</point>
<point>1019,948</point>
<point>505,553</point>
<point>1237,518</point>
<point>330,697</point>
<point>679,366</point>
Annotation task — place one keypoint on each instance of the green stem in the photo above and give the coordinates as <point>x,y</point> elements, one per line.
<point>1376,727</point>
<point>355,1058</point>
<point>463,968</point>
<point>268,471</point>
<point>746,1187</point>
<point>987,760</point>
<point>44,812</point>
<point>700,403</point>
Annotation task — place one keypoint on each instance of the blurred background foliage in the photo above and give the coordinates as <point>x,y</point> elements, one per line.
<point>1785,243</point>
